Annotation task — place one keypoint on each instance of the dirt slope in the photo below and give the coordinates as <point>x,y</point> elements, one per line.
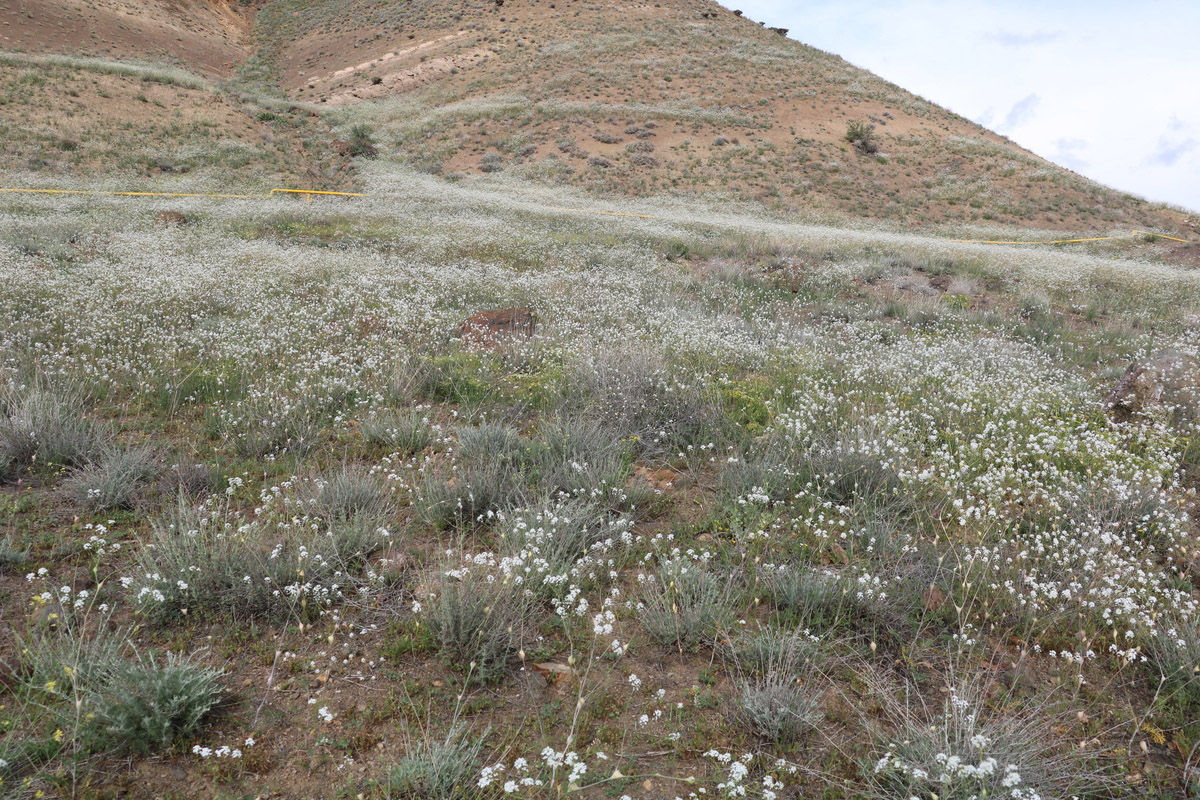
<point>676,96</point>
<point>209,36</point>
<point>682,95</point>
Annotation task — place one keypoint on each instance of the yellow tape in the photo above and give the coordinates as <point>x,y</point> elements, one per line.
<point>1066,241</point>
<point>310,192</point>
<point>318,191</point>
<point>134,194</point>
<point>181,194</point>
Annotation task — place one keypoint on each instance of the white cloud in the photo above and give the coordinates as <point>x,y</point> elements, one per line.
<point>1015,39</point>
<point>1067,152</point>
<point>1021,112</point>
<point>1169,150</point>
<point>1099,74</point>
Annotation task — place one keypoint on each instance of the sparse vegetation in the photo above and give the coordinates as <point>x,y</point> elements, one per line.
<point>44,428</point>
<point>758,503</point>
<point>862,136</point>
<point>145,706</point>
<point>114,479</point>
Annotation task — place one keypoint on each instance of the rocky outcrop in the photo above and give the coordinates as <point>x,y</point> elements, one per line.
<point>488,328</point>
<point>171,218</point>
<point>1167,381</point>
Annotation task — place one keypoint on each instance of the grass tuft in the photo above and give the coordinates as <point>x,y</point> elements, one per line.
<point>114,479</point>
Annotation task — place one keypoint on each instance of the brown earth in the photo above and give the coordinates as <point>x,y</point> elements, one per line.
<point>670,97</point>
<point>208,36</point>
<point>675,97</point>
<point>59,121</point>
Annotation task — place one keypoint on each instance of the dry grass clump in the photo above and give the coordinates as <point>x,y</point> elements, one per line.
<point>115,478</point>
<point>44,428</point>
<point>685,603</point>
<point>478,620</point>
<point>968,746</point>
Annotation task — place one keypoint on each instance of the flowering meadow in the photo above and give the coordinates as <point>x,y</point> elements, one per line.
<point>761,507</point>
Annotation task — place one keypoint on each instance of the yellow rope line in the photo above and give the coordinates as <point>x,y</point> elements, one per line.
<point>133,194</point>
<point>181,194</point>
<point>1066,241</point>
<point>318,191</point>
<point>310,192</point>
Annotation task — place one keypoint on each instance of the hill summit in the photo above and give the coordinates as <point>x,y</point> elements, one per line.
<point>676,96</point>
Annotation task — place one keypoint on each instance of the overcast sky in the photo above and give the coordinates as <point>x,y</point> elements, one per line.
<point>1108,89</point>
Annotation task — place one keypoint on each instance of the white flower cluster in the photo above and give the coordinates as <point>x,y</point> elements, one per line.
<point>224,751</point>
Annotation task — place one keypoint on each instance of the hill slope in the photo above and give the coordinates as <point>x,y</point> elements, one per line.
<point>682,96</point>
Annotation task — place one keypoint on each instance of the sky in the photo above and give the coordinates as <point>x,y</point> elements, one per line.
<point>1108,89</point>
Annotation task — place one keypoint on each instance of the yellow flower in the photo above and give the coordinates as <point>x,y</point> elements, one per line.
<point>51,686</point>
<point>58,735</point>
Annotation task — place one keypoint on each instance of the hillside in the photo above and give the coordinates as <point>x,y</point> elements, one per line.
<point>631,435</point>
<point>680,97</point>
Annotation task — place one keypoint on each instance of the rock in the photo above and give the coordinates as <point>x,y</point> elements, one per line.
<point>49,615</point>
<point>350,149</point>
<point>1168,380</point>
<point>489,328</point>
<point>664,478</point>
<point>941,282</point>
<point>171,218</point>
<point>934,599</point>
<point>554,673</point>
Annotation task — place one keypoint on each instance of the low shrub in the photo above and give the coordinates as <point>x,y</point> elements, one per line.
<point>826,600</point>
<point>114,479</point>
<point>776,707</point>
<point>1174,652</point>
<point>12,555</point>
<point>862,136</point>
<point>638,396</point>
<point>44,428</point>
<point>207,560</point>
<point>967,746</point>
<point>575,455</point>
<point>685,604</point>
<point>143,706</point>
<point>472,497</point>
<point>478,621</point>
<point>554,541</point>
<point>773,650</point>
<point>438,770</point>
<point>404,432</point>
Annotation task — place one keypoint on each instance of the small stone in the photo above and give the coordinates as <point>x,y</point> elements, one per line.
<point>934,598</point>
<point>488,328</point>
<point>1167,380</point>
